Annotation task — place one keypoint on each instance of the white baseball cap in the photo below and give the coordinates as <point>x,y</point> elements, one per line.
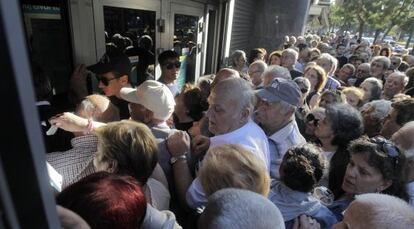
<point>154,96</point>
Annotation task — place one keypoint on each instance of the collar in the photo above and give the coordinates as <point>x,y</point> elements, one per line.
<point>283,133</point>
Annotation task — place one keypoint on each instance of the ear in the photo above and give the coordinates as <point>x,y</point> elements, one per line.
<point>385,184</point>
<point>124,80</point>
<point>245,114</point>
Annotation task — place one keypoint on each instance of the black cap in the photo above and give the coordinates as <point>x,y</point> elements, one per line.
<point>112,61</point>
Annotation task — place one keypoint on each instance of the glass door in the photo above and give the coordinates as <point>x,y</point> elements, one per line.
<point>187,24</point>
<point>129,27</point>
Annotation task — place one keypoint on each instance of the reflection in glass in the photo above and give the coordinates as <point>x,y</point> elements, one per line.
<point>132,31</point>
<point>185,44</point>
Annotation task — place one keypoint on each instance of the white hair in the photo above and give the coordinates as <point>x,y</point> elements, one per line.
<point>331,59</point>
<point>260,63</point>
<point>403,138</point>
<point>386,211</point>
<point>382,108</point>
<point>235,208</point>
<point>382,59</point>
<point>403,77</point>
<point>291,51</point>
<point>277,71</point>
<point>240,91</point>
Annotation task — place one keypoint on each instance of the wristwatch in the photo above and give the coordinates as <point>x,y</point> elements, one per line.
<point>173,160</point>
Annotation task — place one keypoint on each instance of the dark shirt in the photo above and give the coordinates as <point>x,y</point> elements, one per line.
<point>122,107</point>
<point>145,58</point>
<point>295,73</point>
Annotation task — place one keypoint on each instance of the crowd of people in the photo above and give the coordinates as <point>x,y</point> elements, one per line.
<point>314,135</point>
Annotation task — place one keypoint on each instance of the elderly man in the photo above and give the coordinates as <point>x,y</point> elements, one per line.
<point>235,208</point>
<point>345,73</point>
<point>329,63</point>
<point>395,62</point>
<point>402,112</point>
<point>223,74</point>
<point>375,210</point>
<point>362,72</point>
<point>151,103</point>
<point>256,70</point>
<point>288,60</point>
<point>77,162</point>
<point>276,115</point>
<point>229,118</point>
<point>374,114</point>
<point>394,84</point>
<point>379,65</point>
<point>275,71</point>
<point>403,139</point>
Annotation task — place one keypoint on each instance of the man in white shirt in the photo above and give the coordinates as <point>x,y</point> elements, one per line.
<point>231,105</point>
<point>276,115</point>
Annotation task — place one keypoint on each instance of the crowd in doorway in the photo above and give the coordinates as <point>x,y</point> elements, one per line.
<point>316,134</point>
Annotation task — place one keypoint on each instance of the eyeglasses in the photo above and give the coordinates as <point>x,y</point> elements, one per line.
<point>170,65</point>
<point>387,147</point>
<point>312,118</point>
<point>304,90</point>
<point>104,80</point>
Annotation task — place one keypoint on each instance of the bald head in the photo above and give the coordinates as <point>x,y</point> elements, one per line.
<point>98,108</point>
<point>225,73</point>
<point>403,137</point>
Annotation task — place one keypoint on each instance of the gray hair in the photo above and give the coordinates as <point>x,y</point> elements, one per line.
<point>236,55</point>
<point>402,76</point>
<point>386,211</point>
<point>331,59</point>
<point>382,59</point>
<point>376,87</point>
<point>302,81</point>
<point>350,66</point>
<point>241,92</point>
<point>260,63</point>
<point>278,71</point>
<point>291,51</point>
<point>240,209</point>
<point>382,108</point>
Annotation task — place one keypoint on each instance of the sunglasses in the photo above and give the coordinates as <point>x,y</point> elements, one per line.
<point>387,147</point>
<point>304,90</point>
<point>104,80</point>
<point>170,66</point>
<point>312,118</point>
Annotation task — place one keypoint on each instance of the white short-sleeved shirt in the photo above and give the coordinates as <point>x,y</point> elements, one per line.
<point>250,136</point>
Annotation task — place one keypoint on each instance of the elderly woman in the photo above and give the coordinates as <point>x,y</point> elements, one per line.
<point>301,169</point>
<point>331,97</point>
<point>354,96</point>
<point>232,166</point>
<point>341,125</point>
<point>106,200</point>
<point>275,58</point>
<point>238,61</point>
<point>312,120</point>
<point>129,148</point>
<point>374,114</point>
<point>372,88</point>
<point>317,77</point>
<point>376,165</point>
<point>189,107</point>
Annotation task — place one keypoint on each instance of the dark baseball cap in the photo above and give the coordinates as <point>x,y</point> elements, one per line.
<point>112,61</point>
<point>281,90</point>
